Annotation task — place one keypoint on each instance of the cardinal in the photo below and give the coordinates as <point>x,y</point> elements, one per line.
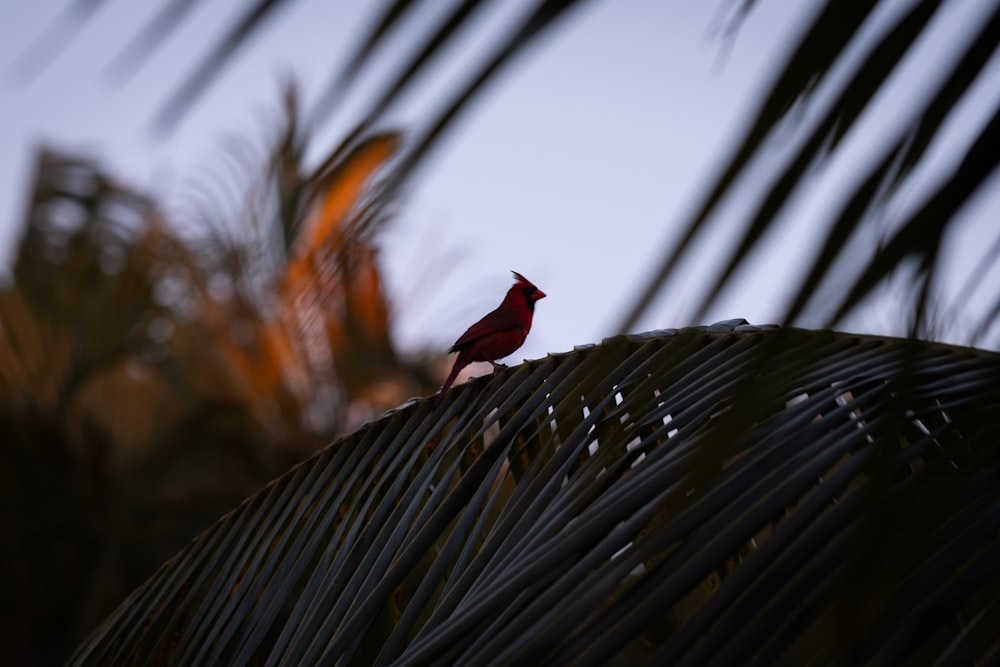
<point>499,333</point>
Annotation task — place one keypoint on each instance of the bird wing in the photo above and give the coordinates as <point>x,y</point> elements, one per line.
<point>496,321</point>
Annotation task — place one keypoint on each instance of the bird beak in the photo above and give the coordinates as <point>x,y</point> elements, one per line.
<point>538,294</point>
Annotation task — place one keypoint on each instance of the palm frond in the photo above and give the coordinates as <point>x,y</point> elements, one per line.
<point>840,37</point>
<point>251,20</point>
<point>829,88</point>
<point>47,46</point>
<point>146,41</point>
<point>708,495</point>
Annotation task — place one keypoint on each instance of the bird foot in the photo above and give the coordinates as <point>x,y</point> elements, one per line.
<point>497,366</point>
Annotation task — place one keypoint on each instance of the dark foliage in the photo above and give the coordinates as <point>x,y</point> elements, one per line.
<point>721,495</point>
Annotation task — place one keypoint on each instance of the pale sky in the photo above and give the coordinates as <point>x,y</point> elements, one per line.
<point>574,167</point>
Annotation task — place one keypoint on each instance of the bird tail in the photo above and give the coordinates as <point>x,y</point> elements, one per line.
<point>460,363</point>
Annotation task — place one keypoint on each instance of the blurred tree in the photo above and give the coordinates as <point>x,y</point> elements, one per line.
<point>140,401</point>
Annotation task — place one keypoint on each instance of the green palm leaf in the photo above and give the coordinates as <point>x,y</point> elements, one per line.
<point>714,494</point>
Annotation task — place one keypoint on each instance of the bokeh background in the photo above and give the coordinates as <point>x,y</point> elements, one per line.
<point>575,166</point>
<point>163,354</point>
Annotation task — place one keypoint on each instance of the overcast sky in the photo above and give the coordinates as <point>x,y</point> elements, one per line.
<point>573,168</point>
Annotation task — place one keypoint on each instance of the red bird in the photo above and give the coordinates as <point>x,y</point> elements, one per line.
<point>499,333</point>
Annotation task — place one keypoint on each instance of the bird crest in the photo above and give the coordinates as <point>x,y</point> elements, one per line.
<point>521,280</point>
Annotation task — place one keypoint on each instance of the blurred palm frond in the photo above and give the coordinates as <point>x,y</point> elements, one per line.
<point>856,41</point>
<point>828,91</point>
